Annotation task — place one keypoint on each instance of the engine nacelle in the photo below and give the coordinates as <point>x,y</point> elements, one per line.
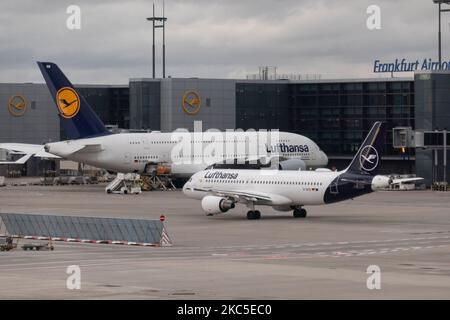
<point>292,164</point>
<point>215,205</point>
<point>381,182</point>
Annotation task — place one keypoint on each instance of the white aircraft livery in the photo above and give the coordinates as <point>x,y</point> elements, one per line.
<point>91,143</point>
<point>220,190</point>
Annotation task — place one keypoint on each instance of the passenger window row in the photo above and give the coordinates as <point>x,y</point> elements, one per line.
<point>265,182</point>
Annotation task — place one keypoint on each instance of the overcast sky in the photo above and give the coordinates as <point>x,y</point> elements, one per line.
<point>214,38</point>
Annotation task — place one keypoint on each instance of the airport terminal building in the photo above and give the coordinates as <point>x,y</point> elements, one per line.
<point>336,114</point>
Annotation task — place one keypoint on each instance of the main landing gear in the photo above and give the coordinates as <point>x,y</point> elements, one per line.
<point>253,215</point>
<point>299,213</point>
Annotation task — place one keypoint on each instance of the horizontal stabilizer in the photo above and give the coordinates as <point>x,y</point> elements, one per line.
<point>22,160</point>
<point>86,148</point>
<point>90,148</point>
<point>36,150</point>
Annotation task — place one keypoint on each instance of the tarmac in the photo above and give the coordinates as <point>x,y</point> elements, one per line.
<point>324,256</point>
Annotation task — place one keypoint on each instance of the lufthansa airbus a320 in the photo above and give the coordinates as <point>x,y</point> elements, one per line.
<point>220,190</point>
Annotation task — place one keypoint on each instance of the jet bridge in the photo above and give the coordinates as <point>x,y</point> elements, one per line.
<point>435,143</point>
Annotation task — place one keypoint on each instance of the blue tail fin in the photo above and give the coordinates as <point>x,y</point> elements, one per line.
<point>367,159</point>
<point>77,117</point>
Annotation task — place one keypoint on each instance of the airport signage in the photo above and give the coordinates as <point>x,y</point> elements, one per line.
<point>405,65</point>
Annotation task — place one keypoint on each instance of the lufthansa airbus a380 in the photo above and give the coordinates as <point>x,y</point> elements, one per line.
<point>91,143</point>
<point>220,190</point>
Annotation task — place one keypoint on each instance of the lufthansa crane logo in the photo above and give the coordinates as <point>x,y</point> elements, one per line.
<point>191,102</point>
<point>17,105</point>
<point>68,102</point>
<point>368,158</point>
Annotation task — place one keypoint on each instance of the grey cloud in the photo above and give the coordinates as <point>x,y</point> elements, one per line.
<point>216,39</point>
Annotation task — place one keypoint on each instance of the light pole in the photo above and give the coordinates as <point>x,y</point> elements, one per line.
<point>162,24</point>
<point>440,2</point>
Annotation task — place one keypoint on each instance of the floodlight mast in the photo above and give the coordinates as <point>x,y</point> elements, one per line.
<point>162,24</point>
<point>440,3</point>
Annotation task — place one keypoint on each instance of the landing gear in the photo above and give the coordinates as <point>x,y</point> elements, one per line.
<point>299,213</point>
<point>253,215</point>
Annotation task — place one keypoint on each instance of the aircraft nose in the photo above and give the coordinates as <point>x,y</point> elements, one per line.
<point>186,188</point>
<point>47,148</point>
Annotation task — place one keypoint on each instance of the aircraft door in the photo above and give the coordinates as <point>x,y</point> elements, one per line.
<point>165,157</point>
<point>145,144</point>
<point>127,158</point>
<point>313,155</point>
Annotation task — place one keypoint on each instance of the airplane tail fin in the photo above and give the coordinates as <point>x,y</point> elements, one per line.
<point>367,159</point>
<point>78,119</point>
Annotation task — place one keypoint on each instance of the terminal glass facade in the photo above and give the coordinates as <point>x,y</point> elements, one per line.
<point>336,115</point>
<point>145,105</point>
<point>262,106</point>
<point>111,103</point>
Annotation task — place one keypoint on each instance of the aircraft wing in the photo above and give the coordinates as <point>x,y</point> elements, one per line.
<point>28,150</point>
<point>266,159</point>
<point>250,162</point>
<point>246,196</point>
<point>402,180</point>
<point>391,181</point>
<point>356,181</point>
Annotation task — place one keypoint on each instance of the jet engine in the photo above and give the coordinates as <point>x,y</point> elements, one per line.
<point>215,205</point>
<point>381,182</point>
<point>292,164</point>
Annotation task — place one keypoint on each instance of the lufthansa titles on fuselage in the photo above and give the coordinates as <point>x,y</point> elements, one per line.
<point>221,175</point>
<point>282,147</point>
